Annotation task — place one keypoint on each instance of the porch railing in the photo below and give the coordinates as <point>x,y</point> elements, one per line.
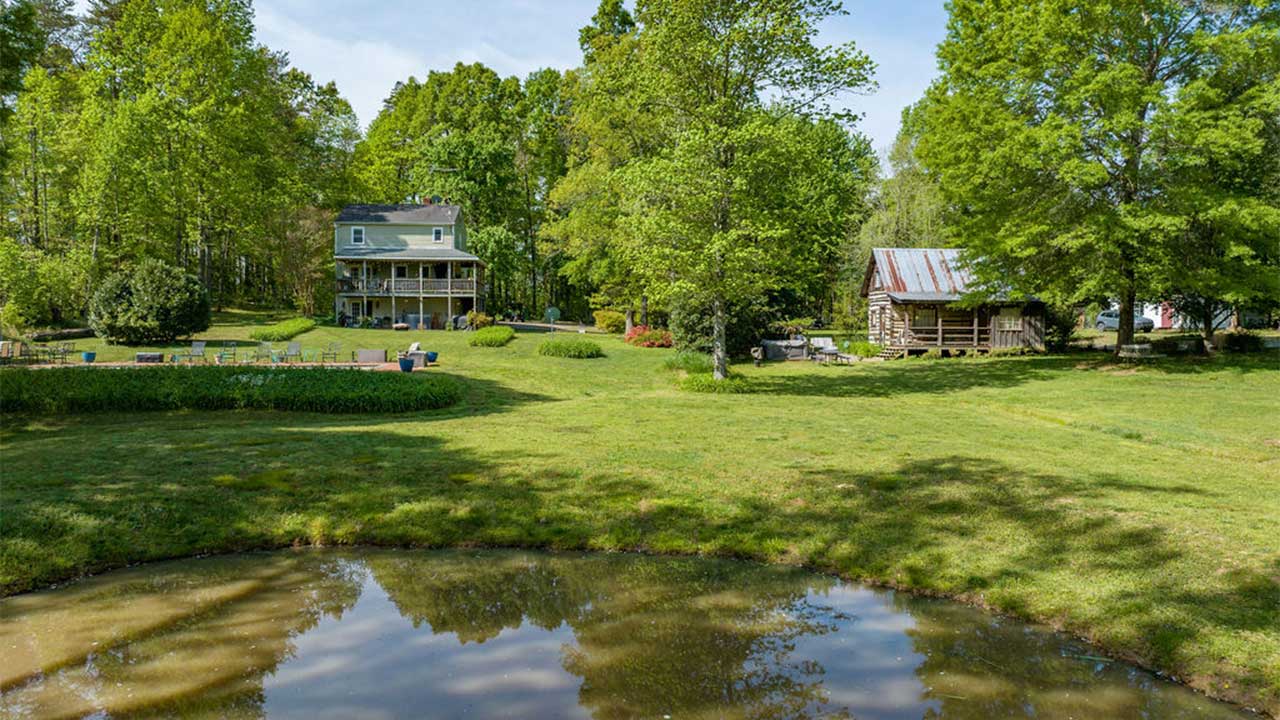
<point>952,335</point>
<point>406,286</point>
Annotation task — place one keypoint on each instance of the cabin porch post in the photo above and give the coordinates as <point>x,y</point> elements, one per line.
<point>364,288</point>
<point>448,273</point>
<point>937,309</point>
<point>975,327</point>
<point>421,324</point>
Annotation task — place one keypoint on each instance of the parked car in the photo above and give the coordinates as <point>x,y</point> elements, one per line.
<point>1110,320</point>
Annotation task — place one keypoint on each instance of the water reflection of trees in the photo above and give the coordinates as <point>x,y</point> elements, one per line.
<point>193,639</point>
<point>653,636</point>
<point>978,666</point>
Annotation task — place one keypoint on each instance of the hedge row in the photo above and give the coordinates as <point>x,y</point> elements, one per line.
<point>283,330</point>
<point>89,389</point>
<point>492,336</point>
<point>574,348</point>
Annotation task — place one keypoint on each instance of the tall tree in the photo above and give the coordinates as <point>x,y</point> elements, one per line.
<point>1046,143</point>
<point>703,220</point>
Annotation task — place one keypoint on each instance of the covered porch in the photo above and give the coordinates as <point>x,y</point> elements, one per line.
<point>912,326</point>
<point>420,294</point>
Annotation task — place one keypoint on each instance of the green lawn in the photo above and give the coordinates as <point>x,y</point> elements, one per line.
<point>1136,505</point>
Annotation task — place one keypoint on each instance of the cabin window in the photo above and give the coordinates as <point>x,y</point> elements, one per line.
<point>1009,319</point>
<point>924,317</point>
<point>357,236</point>
<point>437,234</point>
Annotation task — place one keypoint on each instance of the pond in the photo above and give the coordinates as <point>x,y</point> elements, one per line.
<point>403,633</point>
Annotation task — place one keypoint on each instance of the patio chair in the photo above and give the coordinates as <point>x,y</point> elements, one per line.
<point>330,352</point>
<point>825,350</point>
<point>263,352</point>
<point>293,353</point>
<point>196,352</point>
<point>227,355</point>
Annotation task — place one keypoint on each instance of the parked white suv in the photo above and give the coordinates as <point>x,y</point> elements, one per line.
<point>1110,320</point>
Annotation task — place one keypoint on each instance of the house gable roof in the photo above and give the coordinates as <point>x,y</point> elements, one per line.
<point>918,273</point>
<point>402,214</point>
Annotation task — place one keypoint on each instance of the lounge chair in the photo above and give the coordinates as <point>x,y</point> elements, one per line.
<point>293,353</point>
<point>825,350</point>
<point>416,352</point>
<point>196,351</point>
<point>330,352</point>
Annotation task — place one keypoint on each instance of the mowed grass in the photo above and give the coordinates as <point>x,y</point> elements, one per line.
<point>1136,505</point>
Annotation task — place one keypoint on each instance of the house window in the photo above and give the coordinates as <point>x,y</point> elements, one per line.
<point>1009,319</point>
<point>437,234</point>
<point>357,236</point>
<point>924,317</point>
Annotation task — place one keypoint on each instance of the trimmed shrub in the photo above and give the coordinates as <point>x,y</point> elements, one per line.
<point>574,348</point>
<point>150,303</point>
<point>862,348</point>
<point>690,362</point>
<point>283,330</point>
<point>610,321</point>
<point>89,389</point>
<point>643,336</point>
<point>477,320</point>
<point>493,336</point>
<point>706,383</point>
<point>1240,341</point>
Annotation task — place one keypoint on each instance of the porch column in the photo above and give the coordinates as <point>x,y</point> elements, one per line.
<point>475,286</point>
<point>448,273</point>
<point>938,310</point>
<point>421,324</point>
<point>364,288</point>
<point>393,293</point>
<point>975,327</point>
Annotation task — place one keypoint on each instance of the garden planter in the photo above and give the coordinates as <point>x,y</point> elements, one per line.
<point>406,364</point>
<point>431,357</point>
<point>88,356</point>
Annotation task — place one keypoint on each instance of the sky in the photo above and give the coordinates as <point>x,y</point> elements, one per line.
<point>367,46</point>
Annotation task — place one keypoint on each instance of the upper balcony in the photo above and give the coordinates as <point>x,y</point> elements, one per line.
<point>409,287</point>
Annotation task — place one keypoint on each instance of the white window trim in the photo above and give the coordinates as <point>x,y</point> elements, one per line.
<point>437,235</point>
<point>353,235</point>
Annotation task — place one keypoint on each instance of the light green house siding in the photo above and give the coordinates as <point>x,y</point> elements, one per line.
<point>394,237</point>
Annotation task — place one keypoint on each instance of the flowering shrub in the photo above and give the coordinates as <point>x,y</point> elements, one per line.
<point>642,336</point>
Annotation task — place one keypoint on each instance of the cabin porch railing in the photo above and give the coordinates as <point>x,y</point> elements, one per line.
<point>952,336</point>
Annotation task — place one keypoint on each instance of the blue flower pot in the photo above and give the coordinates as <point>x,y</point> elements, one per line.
<point>406,364</point>
<point>431,357</point>
<point>88,356</point>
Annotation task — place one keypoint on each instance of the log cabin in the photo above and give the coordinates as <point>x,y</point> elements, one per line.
<point>913,297</point>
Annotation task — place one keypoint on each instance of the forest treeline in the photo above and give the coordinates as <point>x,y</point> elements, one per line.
<point>696,164</point>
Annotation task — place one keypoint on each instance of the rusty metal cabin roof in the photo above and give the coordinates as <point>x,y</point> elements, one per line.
<point>935,273</point>
<point>925,275</point>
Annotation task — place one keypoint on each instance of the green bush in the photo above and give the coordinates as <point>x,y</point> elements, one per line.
<point>90,389</point>
<point>706,383</point>
<point>149,303</point>
<point>283,330</point>
<point>495,336</point>
<point>477,320</point>
<point>1007,352</point>
<point>931,354</point>
<point>689,361</point>
<point>610,321</point>
<point>862,348</point>
<point>1242,341</point>
<point>571,348</point>
<point>1059,326</point>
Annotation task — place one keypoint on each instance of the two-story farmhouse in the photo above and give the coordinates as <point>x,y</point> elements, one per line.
<point>405,264</point>
<point>912,296</point>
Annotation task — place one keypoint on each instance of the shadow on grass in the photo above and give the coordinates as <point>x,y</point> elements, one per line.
<point>1024,542</point>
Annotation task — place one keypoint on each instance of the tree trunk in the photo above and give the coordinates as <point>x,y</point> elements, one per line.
<point>644,310</point>
<point>630,315</point>
<point>719,353</point>
<point>1208,311</point>
<point>1128,299</point>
